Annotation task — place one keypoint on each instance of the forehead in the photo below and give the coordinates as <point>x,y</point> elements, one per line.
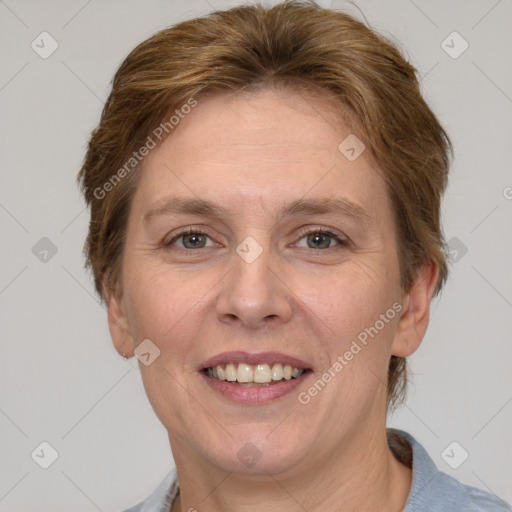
<point>275,123</point>
<point>264,147</point>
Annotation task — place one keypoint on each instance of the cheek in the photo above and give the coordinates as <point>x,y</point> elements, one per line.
<point>169,307</point>
<point>358,321</point>
<point>156,302</point>
<point>352,299</point>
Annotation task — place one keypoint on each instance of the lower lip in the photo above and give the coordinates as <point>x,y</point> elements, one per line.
<point>253,394</point>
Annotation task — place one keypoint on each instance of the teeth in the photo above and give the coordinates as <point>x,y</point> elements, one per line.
<point>230,372</point>
<point>277,371</point>
<point>244,373</point>
<point>260,374</point>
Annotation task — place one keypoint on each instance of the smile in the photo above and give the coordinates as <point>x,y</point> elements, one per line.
<point>254,378</point>
<point>260,374</point>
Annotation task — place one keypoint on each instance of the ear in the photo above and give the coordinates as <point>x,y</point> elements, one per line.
<point>117,321</point>
<point>416,311</point>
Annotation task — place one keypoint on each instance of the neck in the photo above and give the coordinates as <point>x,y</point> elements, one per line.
<point>362,474</point>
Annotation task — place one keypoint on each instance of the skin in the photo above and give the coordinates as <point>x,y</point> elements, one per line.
<point>252,154</point>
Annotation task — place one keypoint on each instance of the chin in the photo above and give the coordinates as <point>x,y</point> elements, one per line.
<point>256,451</point>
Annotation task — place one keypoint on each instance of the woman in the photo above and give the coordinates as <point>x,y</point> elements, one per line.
<point>265,189</point>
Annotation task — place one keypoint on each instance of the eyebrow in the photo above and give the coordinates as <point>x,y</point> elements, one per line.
<point>195,206</point>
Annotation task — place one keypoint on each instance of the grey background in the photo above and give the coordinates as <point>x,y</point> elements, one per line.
<point>61,380</point>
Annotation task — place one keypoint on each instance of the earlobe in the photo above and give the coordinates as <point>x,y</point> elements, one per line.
<point>117,322</point>
<point>416,311</point>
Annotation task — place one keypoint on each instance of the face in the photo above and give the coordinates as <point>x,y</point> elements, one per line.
<point>290,267</point>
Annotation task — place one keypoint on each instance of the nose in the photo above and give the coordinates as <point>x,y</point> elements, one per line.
<point>254,294</point>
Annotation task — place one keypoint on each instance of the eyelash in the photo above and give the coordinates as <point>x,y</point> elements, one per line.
<point>322,231</point>
<point>342,241</point>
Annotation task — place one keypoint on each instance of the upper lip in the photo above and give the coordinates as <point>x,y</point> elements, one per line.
<point>254,359</point>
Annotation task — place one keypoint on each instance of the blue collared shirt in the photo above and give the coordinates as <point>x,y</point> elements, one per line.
<point>431,490</point>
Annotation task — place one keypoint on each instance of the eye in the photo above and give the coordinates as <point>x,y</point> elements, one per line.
<point>319,238</point>
<point>191,239</point>
<point>316,238</point>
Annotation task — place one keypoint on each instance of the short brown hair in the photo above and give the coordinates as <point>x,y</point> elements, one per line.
<point>293,44</point>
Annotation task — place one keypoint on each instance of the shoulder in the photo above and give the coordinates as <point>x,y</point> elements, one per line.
<point>447,494</point>
<point>435,491</point>
<point>161,499</point>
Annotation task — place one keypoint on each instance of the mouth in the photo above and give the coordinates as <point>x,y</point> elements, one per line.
<point>254,378</point>
<point>263,374</point>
